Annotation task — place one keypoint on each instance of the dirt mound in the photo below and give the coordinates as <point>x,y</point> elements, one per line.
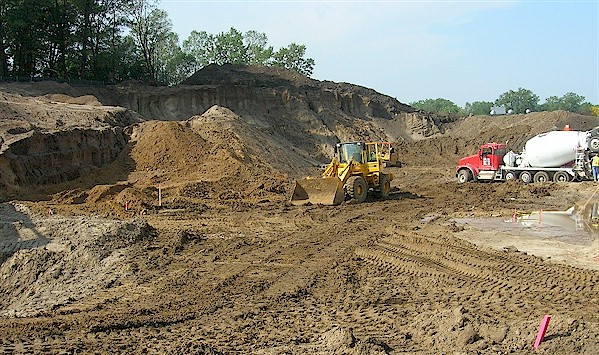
<point>464,136</point>
<point>214,158</point>
<point>89,100</point>
<point>255,76</point>
<point>56,261</point>
<point>167,146</point>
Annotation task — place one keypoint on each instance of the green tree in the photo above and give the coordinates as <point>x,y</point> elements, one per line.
<point>131,63</point>
<point>257,50</point>
<point>200,45</point>
<point>552,103</point>
<point>27,30</point>
<point>572,102</point>
<point>569,102</point>
<point>172,64</point>
<point>292,57</point>
<point>151,29</point>
<point>229,48</point>
<point>250,48</point>
<point>59,49</point>
<point>478,107</point>
<point>519,101</point>
<point>439,105</point>
<point>5,10</point>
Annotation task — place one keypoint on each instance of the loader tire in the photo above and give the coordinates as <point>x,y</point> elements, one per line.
<point>356,188</point>
<point>385,186</point>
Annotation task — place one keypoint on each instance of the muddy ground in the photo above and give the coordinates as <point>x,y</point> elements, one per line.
<point>224,264</point>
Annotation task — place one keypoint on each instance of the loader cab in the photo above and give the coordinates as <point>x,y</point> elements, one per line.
<point>360,152</point>
<point>347,151</point>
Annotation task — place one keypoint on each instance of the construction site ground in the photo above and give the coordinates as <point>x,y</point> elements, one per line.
<point>223,263</point>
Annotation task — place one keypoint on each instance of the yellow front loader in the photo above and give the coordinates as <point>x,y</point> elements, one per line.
<point>354,170</point>
<point>389,154</point>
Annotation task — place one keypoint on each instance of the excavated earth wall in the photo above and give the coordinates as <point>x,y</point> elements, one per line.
<point>63,133</point>
<point>52,158</point>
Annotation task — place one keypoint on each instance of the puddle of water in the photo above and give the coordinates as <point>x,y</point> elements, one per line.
<point>577,224</point>
<point>571,234</point>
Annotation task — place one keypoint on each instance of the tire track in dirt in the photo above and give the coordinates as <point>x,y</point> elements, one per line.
<point>490,275</point>
<point>283,274</point>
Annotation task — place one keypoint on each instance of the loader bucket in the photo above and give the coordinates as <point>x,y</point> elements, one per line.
<point>325,191</point>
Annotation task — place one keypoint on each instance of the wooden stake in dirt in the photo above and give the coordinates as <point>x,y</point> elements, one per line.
<point>159,196</point>
<point>542,330</point>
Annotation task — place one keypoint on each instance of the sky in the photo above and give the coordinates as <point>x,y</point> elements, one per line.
<point>462,51</point>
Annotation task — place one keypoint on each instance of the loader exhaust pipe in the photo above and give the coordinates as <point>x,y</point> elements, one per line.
<point>324,191</point>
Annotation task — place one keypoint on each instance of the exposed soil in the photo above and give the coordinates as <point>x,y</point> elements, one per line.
<point>175,235</point>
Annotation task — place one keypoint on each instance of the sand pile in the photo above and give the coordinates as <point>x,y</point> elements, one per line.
<point>58,260</point>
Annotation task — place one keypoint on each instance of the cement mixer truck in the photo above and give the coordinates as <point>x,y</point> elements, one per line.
<point>558,156</point>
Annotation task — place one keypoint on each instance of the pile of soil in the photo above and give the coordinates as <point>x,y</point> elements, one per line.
<point>52,262</point>
<point>256,76</point>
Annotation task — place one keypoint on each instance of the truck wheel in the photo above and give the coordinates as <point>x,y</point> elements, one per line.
<point>594,144</point>
<point>541,176</point>
<point>464,176</point>
<point>510,175</point>
<point>356,188</point>
<point>561,176</point>
<point>526,177</point>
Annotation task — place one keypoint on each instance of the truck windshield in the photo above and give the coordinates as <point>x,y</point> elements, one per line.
<point>352,150</point>
<point>500,152</point>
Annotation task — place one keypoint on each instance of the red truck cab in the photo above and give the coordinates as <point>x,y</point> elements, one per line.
<point>482,165</point>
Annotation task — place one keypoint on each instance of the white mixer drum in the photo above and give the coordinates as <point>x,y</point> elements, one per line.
<point>553,149</point>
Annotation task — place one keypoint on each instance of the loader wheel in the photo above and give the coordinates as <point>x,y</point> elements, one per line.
<point>356,188</point>
<point>385,186</point>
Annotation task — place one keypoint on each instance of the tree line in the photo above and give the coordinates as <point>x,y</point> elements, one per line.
<point>116,40</point>
<point>518,101</point>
